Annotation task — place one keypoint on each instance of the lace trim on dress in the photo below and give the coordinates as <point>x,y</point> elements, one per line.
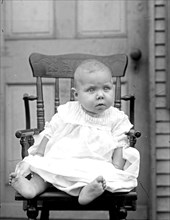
<point>72,112</point>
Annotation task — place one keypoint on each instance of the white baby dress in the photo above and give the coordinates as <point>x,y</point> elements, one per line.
<point>80,148</point>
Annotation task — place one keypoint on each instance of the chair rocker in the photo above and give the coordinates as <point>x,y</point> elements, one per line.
<point>63,66</point>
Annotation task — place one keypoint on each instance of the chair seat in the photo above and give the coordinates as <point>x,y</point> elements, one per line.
<point>54,199</point>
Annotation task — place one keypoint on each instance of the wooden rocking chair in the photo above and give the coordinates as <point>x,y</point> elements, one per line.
<point>63,66</point>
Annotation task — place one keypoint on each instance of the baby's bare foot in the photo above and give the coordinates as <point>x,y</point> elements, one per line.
<point>92,190</point>
<point>12,177</point>
<point>22,185</point>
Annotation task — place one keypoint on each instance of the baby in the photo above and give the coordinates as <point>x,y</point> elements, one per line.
<point>84,149</point>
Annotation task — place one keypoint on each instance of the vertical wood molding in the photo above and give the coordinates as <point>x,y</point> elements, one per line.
<point>2,100</point>
<point>168,54</point>
<point>159,65</point>
<point>152,202</point>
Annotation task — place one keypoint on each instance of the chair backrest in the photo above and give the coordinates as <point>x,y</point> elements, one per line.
<point>63,66</point>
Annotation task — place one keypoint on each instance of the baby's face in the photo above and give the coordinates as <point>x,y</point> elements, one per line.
<point>95,92</point>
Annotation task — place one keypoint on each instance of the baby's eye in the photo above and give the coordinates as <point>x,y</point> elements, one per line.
<point>90,90</point>
<point>106,88</point>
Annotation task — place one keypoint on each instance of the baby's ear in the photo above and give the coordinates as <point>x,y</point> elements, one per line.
<point>75,93</point>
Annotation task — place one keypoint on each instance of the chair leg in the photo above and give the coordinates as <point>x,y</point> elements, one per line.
<point>122,213</point>
<point>118,214</point>
<point>113,214</point>
<point>32,211</point>
<point>44,214</point>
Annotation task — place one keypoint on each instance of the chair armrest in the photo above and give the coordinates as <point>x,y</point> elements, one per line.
<point>133,135</point>
<point>27,132</point>
<point>26,139</point>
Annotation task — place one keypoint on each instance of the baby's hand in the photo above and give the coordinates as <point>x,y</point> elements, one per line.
<point>22,168</point>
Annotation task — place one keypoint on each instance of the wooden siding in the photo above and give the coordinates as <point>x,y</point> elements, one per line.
<point>162,117</point>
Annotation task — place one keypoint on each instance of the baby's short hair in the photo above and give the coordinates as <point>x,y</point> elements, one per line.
<point>89,66</point>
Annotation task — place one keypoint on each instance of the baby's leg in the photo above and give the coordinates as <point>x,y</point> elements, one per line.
<point>92,191</point>
<point>28,188</point>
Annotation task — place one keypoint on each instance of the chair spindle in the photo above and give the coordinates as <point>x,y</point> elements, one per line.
<point>57,98</point>
<point>40,105</point>
<point>117,102</point>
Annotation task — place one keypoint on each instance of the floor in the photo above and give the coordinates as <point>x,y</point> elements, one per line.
<point>37,219</point>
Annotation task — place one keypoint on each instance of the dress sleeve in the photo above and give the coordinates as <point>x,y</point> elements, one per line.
<point>120,127</point>
<point>52,126</point>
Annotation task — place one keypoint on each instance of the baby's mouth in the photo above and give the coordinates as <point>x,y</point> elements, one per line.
<point>100,105</point>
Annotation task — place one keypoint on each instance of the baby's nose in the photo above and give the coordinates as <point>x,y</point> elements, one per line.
<point>100,95</point>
